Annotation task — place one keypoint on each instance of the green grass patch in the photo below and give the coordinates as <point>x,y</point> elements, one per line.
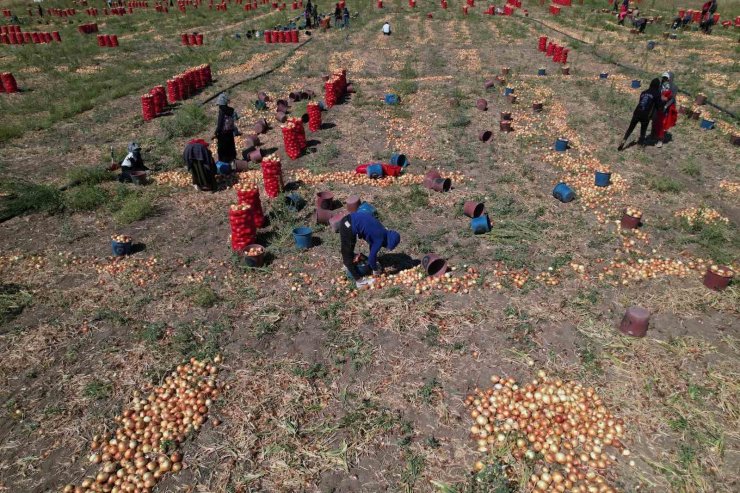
<point>85,198</point>
<point>202,295</point>
<point>89,175</point>
<point>129,205</point>
<point>664,184</point>
<point>13,299</point>
<point>21,197</point>
<point>188,121</point>
<point>98,390</point>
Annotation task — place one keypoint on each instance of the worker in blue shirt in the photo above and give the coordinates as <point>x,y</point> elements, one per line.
<point>366,227</point>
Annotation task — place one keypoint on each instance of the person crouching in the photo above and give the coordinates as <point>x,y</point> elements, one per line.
<point>366,227</point>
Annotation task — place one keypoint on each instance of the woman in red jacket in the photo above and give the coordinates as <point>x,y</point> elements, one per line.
<point>667,114</point>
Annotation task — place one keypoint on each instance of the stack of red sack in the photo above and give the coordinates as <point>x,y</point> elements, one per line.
<point>243,229</point>
<point>335,87</point>
<point>160,98</point>
<point>148,109</point>
<point>248,193</point>
<point>7,83</point>
<point>272,175</point>
<point>314,116</point>
<point>294,137</point>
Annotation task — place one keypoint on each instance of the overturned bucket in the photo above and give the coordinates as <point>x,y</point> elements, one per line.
<point>294,202</point>
<point>434,265</point>
<point>442,185</point>
<point>485,135</point>
<point>324,200</point>
<point>481,224</point>
<point>473,209</point>
<point>602,178</point>
<point>561,145</point>
<point>635,322</point>
<point>353,203</point>
<point>563,192</point>
<point>481,104</point>
<point>399,159</point>
<point>635,84</point>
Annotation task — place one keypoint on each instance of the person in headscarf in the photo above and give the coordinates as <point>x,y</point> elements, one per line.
<point>199,160</point>
<point>308,14</point>
<point>345,18</point>
<point>337,16</point>
<point>366,227</point>
<point>386,29</point>
<point>226,129</point>
<point>133,162</point>
<point>666,115</point>
<point>643,112</point>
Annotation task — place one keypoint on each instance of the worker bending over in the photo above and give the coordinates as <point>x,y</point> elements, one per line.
<point>366,227</point>
<point>131,163</point>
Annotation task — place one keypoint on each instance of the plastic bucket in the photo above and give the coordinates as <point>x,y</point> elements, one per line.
<point>714,281</point>
<point>399,159</point>
<point>630,222</point>
<point>336,220</point>
<point>563,192</point>
<point>635,84</point>
<point>294,202</point>
<point>651,44</point>
<point>603,75</point>
<point>561,145</point>
<point>366,208</point>
<point>541,71</point>
<point>324,200</point>
<point>391,99</point>
<point>442,185</point>
<point>508,90</point>
<point>375,170</point>
<point>473,209</point>
<point>323,216</point>
<point>480,224</point>
<point>223,168</point>
<point>303,238</point>
<point>602,178</point>
<point>706,124</point>
<point>256,260</point>
<point>120,249</point>
<point>481,104</point>
<point>353,203</point>
<point>434,265</point>
<point>138,177</point>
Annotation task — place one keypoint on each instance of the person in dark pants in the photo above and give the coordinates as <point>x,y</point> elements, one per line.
<point>308,14</point>
<point>639,24</point>
<point>225,129</point>
<point>643,112</point>
<point>131,163</point>
<point>337,16</point>
<point>199,161</point>
<point>366,227</point>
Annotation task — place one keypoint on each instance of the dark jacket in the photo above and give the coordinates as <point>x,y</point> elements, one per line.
<point>648,100</point>
<point>197,151</point>
<point>366,227</point>
<point>224,112</point>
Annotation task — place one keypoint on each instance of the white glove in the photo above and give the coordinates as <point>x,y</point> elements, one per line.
<point>365,283</point>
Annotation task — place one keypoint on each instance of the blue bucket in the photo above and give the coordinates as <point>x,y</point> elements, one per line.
<point>603,75</point>
<point>480,224</point>
<point>260,105</point>
<point>706,124</point>
<point>391,99</point>
<point>561,145</point>
<point>366,208</point>
<point>375,170</point>
<point>651,44</point>
<point>303,237</point>
<point>635,84</point>
<point>294,202</point>
<point>399,159</point>
<point>541,71</point>
<point>362,268</point>
<point>563,192</point>
<point>508,90</point>
<point>120,249</point>
<point>602,178</point>
<point>223,168</point>
<point>322,106</point>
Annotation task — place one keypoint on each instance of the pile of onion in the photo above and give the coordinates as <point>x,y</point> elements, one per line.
<point>150,430</point>
<point>561,429</point>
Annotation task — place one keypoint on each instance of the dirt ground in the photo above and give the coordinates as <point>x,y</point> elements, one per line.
<point>335,390</point>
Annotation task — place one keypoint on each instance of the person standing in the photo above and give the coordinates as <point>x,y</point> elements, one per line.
<point>308,13</point>
<point>643,112</point>
<point>366,227</point>
<point>225,129</point>
<point>345,17</point>
<point>337,15</point>
<point>667,115</point>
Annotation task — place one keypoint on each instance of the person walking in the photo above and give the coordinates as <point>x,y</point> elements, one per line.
<point>643,112</point>
<point>366,227</point>
<point>308,14</point>
<point>225,129</point>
